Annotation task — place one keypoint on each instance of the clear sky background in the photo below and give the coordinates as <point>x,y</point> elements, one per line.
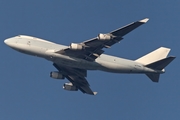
<point>28,93</point>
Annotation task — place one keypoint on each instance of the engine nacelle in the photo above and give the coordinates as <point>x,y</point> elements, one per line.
<point>75,46</point>
<point>104,36</point>
<point>56,75</point>
<point>70,87</point>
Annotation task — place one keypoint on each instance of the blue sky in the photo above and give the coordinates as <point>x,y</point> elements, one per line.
<point>28,93</point>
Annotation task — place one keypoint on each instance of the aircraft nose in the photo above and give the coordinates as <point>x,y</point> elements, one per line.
<point>6,41</point>
<point>10,42</point>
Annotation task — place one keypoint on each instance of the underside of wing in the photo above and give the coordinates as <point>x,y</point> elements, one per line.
<point>77,79</point>
<point>128,28</point>
<point>91,49</point>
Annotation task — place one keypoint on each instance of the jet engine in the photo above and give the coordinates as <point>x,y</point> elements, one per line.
<point>75,46</point>
<point>56,75</point>
<point>70,87</point>
<point>104,37</point>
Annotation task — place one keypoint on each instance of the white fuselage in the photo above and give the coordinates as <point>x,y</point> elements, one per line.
<point>45,49</point>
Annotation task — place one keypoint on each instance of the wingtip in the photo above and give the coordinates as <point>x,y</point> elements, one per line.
<point>144,20</point>
<point>173,57</point>
<point>95,93</point>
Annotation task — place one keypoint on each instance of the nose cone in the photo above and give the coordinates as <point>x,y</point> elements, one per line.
<point>6,41</point>
<point>11,42</point>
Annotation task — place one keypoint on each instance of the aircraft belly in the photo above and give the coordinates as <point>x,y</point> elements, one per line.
<point>116,67</point>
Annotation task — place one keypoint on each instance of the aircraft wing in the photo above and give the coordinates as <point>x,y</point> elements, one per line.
<point>76,77</point>
<point>91,49</point>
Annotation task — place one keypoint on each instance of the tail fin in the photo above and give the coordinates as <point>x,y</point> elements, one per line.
<point>158,65</point>
<point>156,60</point>
<point>154,56</point>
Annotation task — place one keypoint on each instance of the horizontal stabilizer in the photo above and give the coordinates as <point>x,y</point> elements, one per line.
<point>158,65</point>
<point>153,76</point>
<point>161,64</point>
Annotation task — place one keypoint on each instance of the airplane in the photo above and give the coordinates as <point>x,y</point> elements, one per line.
<point>73,61</point>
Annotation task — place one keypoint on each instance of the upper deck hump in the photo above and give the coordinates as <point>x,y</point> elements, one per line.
<point>34,38</point>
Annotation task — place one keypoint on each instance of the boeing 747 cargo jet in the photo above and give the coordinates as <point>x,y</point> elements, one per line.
<point>73,61</point>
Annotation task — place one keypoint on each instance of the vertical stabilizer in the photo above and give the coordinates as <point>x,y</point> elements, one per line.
<point>154,56</point>
<point>156,60</point>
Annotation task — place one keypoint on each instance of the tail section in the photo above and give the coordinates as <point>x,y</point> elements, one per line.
<point>154,77</point>
<point>158,65</point>
<point>154,56</point>
<point>161,64</point>
<point>156,60</point>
